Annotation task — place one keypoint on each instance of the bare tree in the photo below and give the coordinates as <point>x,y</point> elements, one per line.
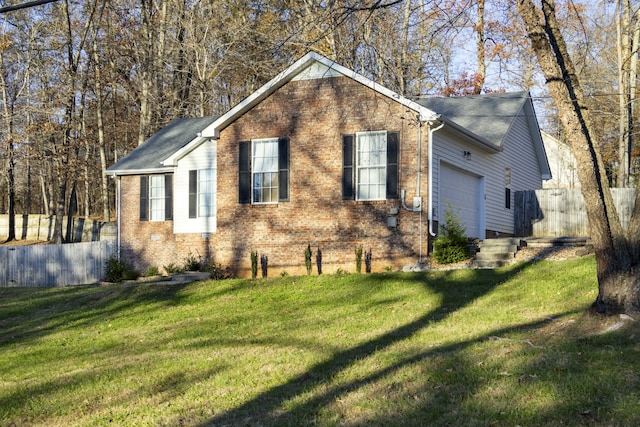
<point>617,250</point>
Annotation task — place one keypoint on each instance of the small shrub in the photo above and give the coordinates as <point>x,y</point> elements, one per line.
<point>172,268</point>
<point>451,245</point>
<point>367,261</point>
<point>192,262</point>
<point>264,264</point>
<point>217,272</point>
<point>319,261</point>
<point>358,252</point>
<point>130,274</point>
<point>114,270</point>
<point>254,264</point>
<point>152,271</point>
<point>307,259</point>
<point>283,273</point>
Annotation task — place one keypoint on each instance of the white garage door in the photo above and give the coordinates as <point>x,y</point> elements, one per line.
<point>464,193</point>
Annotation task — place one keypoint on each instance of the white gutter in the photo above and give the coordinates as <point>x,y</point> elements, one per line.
<point>119,213</point>
<point>430,195</point>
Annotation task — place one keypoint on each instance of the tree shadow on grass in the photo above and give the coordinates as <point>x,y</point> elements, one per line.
<point>32,313</point>
<point>268,407</point>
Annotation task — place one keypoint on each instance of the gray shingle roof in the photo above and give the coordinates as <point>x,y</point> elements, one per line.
<point>487,116</point>
<point>149,155</point>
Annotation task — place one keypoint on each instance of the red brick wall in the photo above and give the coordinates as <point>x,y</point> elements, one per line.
<point>314,114</point>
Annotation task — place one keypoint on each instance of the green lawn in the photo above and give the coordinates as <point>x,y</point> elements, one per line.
<point>463,347</point>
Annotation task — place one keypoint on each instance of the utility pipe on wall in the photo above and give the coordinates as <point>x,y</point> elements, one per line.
<point>119,213</point>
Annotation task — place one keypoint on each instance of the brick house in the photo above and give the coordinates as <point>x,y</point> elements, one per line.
<point>321,155</point>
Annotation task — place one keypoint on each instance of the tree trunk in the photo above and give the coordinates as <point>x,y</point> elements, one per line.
<point>12,198</point>
<point>45,199</point>
<point>481,53</point>
<point>617,271</point>
<point>623,22</point>
<point>60,204</point>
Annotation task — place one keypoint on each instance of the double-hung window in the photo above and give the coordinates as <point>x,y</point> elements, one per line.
<point>370,165</point>
<point>264,171</point>
<point>202,193</point>
<point>156,201</point>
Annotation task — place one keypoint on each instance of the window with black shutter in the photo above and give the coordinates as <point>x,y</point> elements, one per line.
<point>393,142</point>
<point>144,198</point>
<point>348,159</point>
<point>168,194</point>
<point>193,194</point>
<point>156,197</point>
<point>244,172</point>
<point>283,170</point>
<point>370,165</point>
<point>263,171</point>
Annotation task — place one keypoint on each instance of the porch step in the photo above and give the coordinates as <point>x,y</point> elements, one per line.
<point>494,253</point>
<point>547,242</point>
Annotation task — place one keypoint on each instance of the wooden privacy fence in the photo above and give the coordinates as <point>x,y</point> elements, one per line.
<point>54,265</point>
<point>561,212</point>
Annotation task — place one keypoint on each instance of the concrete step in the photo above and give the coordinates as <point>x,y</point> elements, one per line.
<point>500,242</point>
<point>547,242</point>
<point>494,253</point>
<point>497,248</point>
<point>494,256</point>
<point>489,264</point>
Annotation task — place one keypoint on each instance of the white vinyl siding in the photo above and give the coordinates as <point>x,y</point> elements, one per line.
<point>518,154</point>
<point>203,159</point>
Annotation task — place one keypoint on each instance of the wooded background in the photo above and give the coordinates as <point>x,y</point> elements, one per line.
<point>82,83</point>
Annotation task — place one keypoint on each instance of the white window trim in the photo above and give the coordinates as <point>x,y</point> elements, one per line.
<point>160,199</point>
<point>212,193</point>
<point>358,167</point>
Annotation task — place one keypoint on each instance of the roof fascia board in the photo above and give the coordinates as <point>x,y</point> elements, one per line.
<point>120,172</point>
<point>213,130</point>
<point>538,144</point>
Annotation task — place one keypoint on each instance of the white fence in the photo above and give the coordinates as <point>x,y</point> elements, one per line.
<point>54,265</point>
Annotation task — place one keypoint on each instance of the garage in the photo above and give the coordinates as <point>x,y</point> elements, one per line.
<point>464,193</point>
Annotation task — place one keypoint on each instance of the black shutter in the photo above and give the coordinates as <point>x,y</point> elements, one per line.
<point>244,172</point>
<point>144,198</point>
<point>168,197</point>
<point>348,192</point>
<point>507,198</point>
<point>193,193</point>
<point>283,170</point>
<point>393,142</point>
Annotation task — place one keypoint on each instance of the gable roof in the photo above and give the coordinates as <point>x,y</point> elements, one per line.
<point>488,116</point>
<point>149,156</point>
<point>312,65</point>
<point>484,119</point>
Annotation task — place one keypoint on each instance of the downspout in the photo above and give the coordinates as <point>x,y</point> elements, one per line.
<point>118,210</point>
<point>430,195</point>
